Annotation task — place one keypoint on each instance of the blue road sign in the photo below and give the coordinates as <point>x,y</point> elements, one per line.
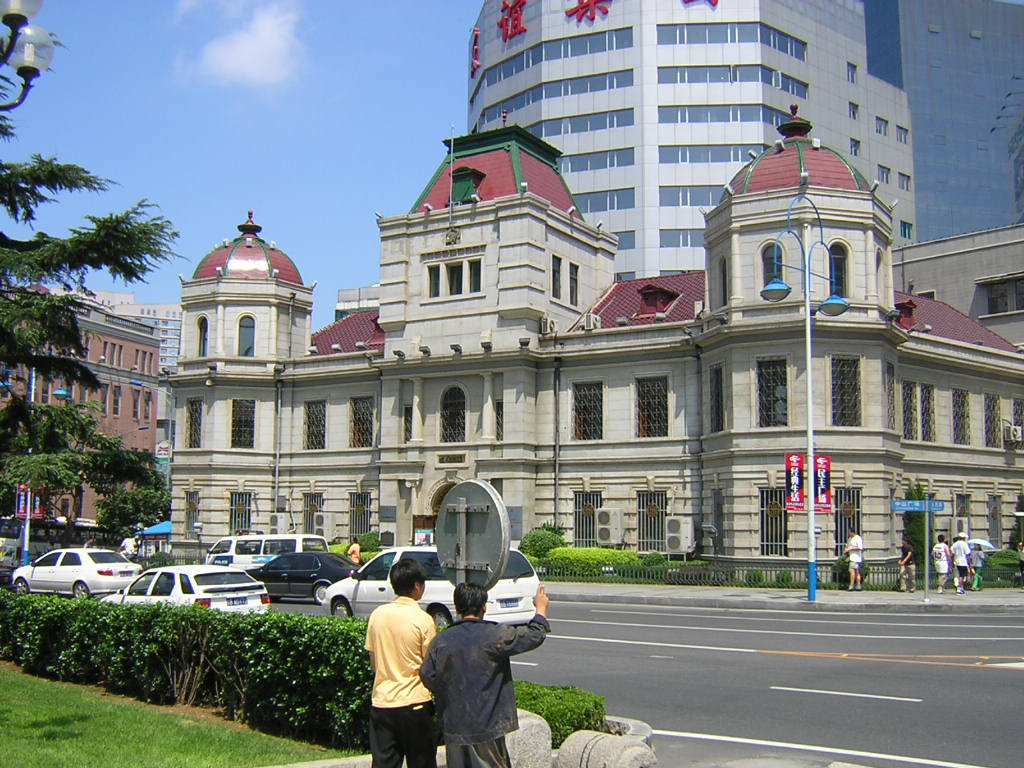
<point>936,506</point>
<point>917,505</point>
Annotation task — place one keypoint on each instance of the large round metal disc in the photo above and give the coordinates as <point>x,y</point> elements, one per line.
<point>487,533</point>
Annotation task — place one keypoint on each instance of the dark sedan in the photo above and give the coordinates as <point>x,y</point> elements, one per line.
<point>5,576</point>
<point>303,574</point>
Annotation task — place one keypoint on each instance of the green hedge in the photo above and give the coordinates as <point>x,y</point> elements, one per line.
<point>540,541</point>
<point>591,560</point>
<point>566,709</point>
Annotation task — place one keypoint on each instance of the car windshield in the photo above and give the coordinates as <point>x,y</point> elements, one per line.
<point>107,557</point>
<point>220,578</point>
<point>517,567</point>
<point>314,545</point>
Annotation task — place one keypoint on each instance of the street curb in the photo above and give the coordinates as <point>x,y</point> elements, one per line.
<point>778,603</point>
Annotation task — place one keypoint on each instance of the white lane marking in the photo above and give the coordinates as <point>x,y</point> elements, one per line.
<point>815,748</point>
<point>525,663</point>
<point>844,635</point>
<point>844,693</point>
<point>651,644</point>
<point>656,656</point>
<point>1009,665</point>
<point>806,621</point>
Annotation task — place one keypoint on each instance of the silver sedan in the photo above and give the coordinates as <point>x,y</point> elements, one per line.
<point>80,572</point>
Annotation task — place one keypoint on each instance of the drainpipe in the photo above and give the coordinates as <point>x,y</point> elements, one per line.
<point>278,402</point>
<point>700,440</point>
<point>557,387</point>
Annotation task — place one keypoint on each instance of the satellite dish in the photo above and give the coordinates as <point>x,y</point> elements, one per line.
<point>473,535</point>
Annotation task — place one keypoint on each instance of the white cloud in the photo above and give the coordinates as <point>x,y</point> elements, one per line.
<point>262,51</point>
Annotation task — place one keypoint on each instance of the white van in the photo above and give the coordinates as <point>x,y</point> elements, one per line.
<point>257,548</point>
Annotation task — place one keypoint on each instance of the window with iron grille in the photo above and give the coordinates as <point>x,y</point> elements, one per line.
<point>928,413</point>
<point>909,410</point>
<point>243,423</point>
<point>104,393</point>
<point>574,284</point>
<point>194,422</point>
<point>961,417</point>
<point>241,511</point>
<point>587,410</point>
<point>407,423</point>
<point>315,425</point>
<point>772,394</point>
<point>716,399</point>
<point>147,405</point>
<point>453,415</point>
<point>890,395</point>
<point>845,392</point>
<point>115,406</point>
<point>652,407</point>
<point>993,421</point>
<point>1018,411</point>
<point>556,277</point>
<point>584,512</point>
<point>846,514</point>
<point>312,507</point>
<point>359,514</point>
<point>774,521</point>
<point>995,519</point>
<point>191,514</point>
<point>651,508</point>
<point>136,401</point>
<point>499,420</point>
<point>361,422</point>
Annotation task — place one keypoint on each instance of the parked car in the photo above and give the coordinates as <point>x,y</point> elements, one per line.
<point>257,548</point>
<point>212,586</point>
<point>303,574</point>
<point>80,572</point>
<point>510,600</point>
<point>6,577</point>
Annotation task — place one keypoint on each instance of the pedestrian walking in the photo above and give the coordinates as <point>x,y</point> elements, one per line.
<point>1020,557</point>
<point>942,558</point>
<point>401,711</point>
<point>355,551</point>
<point>977,565</point>
<point>908,568</point>
<point>855,552</point>
<point>469,672</point>
<point>962,560</point>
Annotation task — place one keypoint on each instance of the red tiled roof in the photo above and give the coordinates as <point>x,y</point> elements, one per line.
<point>625,299</point>
<point>780,169</point>
<point>248,256</point>
<point>359,326</point>
<point>545,181</point>
<point>946,322</point>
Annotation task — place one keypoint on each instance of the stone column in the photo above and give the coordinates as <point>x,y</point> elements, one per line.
<point>417,409</point>
<point>488,407</point>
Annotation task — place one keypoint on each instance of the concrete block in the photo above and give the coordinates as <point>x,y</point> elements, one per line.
<point>590,749</point>
<point>530,746</point>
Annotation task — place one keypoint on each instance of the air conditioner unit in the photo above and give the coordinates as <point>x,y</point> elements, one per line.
<point>608,527</point>
<point>1013,433</point>
<point>319,520</point>
<point>273,521</point>
<point>679,535</point>
<point>273,531</point>
<point>548,325</point>
<point>591,322</point>
<point>319,531</point>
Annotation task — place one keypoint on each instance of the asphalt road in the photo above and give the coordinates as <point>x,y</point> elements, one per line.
<point>727,685</point>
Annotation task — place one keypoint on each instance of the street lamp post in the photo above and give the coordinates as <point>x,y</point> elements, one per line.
<point>777,290</point>
<point>28,49</point>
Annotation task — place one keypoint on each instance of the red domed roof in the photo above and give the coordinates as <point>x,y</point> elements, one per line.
<point>797,161</point>
<point>248,256</point>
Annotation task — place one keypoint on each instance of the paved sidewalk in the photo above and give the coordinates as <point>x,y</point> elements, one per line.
<point>985,601</point>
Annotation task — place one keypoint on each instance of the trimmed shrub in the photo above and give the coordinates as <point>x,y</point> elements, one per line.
<point>566,709</point>
<point>754,578</point>
<point>159,560</point>
<point>540,541</point>
<point>1003,558</point>
<point>590,561</point>
<point>654,560</point>
<point>369,542</point>
<point>841,571</point>
<point>784,579</point>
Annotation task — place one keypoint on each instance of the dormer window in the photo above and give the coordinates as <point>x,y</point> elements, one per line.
<point>465,183</point>
<point>654,299</point>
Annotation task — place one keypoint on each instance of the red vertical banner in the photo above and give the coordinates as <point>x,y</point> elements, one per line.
<point>822,483</point>
<point>20,512</point>
<point>794,482</point>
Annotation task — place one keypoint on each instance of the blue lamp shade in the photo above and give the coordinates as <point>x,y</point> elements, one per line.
<point>63,394</point>
<point>776,290</point>
<point>834,305</point>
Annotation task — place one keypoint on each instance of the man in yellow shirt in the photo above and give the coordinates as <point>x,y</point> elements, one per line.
<point>401,712</point>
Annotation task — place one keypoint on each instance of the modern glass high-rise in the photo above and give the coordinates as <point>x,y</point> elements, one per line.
<point>961,63</point>
<point>657,104</point>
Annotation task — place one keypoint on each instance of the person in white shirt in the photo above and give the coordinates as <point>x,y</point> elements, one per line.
<point>855,551</point>
<point>962,560</point>
<point>942,557</point>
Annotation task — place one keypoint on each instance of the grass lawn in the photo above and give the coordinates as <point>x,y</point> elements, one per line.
<point>45,724</point>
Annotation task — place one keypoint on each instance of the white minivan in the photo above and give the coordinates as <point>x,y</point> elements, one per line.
<point>258,548</point>
<point>510,601</point>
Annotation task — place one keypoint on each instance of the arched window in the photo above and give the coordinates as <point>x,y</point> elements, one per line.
<point>453,416</point>
<point>724,278</point>
<point>203,337</point>
<point>246,337</point>
<point>837,269</point>
<point>771,262</point>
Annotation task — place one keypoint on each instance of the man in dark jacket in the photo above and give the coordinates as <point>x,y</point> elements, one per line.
<point>467,668</point>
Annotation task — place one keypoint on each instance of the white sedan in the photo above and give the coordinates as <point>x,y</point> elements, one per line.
<point>80,572</point>
<point>212,586</point>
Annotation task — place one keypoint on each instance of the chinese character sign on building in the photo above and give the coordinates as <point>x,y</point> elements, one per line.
<point>794,482</point>
<point>712,3</point>
<point>822,483</point>
<point>511,21</point>
<point>474,54</point>
<point>587,9</point>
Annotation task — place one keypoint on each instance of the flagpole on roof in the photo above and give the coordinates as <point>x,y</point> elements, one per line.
<point>451,177</point>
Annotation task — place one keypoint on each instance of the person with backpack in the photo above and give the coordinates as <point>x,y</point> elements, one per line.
<point>942,557</point>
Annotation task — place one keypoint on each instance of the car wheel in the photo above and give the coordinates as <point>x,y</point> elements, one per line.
<point>340,607</point>
<point>442,619</point>
<point>80,589</point>
<point>320,592</point>
<point>21,587</point>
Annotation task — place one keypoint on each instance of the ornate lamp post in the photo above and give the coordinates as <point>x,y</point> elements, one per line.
<point>28,49</point>
<point>777,290</point>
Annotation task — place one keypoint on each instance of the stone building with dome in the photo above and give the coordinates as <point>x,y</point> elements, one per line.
<point>653,414</point>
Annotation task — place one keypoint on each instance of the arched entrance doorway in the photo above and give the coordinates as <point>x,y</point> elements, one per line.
<point>424,525</point>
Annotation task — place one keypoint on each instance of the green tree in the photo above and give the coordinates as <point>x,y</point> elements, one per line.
<point>915,525</point>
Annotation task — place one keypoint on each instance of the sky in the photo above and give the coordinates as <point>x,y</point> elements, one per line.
<point>313,113</point>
